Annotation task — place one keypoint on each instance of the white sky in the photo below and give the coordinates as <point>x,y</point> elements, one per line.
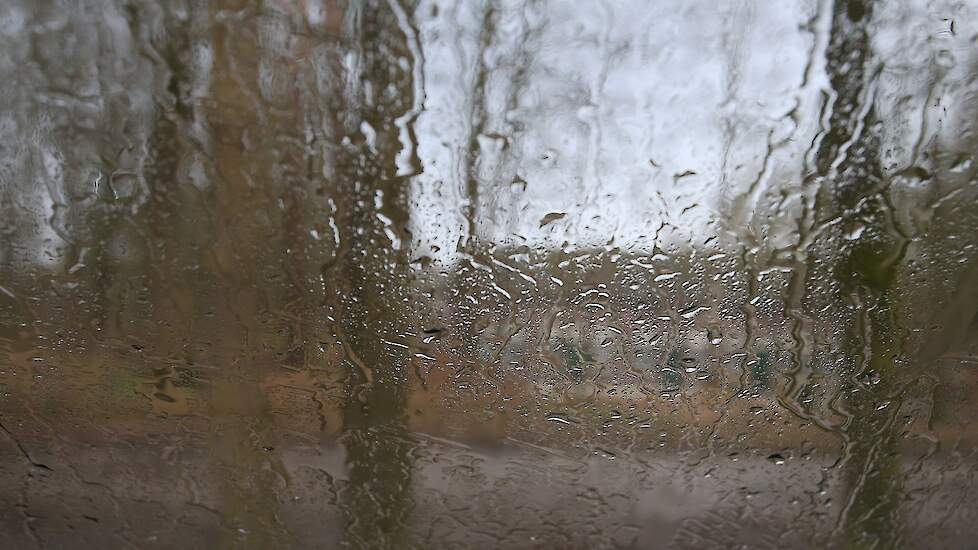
<point>695,86</point>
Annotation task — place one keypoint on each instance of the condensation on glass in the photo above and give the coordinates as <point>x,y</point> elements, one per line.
<point>488,274</point>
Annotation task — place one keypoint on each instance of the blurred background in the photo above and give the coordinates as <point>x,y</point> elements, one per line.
<point>488,274</point>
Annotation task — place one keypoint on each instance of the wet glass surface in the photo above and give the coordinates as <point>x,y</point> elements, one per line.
<point>488,274</point>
